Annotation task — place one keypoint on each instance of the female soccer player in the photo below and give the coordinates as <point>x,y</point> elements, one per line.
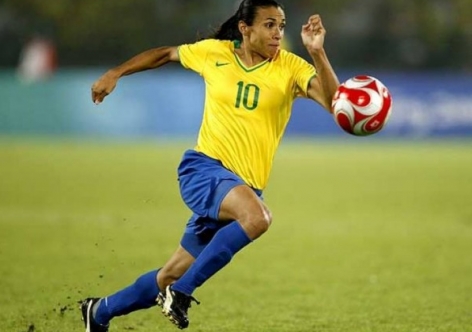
<point>250,87</point>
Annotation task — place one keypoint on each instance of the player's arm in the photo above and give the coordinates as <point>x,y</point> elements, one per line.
<point>146,60</point>
<point>323,86</point>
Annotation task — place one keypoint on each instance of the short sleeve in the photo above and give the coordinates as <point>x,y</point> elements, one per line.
<point>193,56</point>
<point>302,73</point>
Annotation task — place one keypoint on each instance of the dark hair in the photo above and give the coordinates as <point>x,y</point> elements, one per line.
<point>246,12</point>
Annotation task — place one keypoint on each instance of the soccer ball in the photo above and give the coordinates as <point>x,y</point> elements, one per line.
<point>361,106</point>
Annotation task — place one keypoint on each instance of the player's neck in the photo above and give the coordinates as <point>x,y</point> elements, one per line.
<point>248,57</point>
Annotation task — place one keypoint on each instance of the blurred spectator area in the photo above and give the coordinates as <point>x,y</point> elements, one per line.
<point>380,34</point>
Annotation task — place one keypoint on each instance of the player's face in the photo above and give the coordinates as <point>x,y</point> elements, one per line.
<point>267,31</point>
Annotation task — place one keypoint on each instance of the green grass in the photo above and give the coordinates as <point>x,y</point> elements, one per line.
<point>365,237</point>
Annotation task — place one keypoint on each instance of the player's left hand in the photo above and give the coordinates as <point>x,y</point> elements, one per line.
<point>313,34</point>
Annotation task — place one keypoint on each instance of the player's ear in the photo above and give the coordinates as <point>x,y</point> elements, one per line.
<point>242,27</point>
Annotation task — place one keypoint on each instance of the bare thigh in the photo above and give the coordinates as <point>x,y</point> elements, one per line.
<point>243,205</point>
<point>240,204</point>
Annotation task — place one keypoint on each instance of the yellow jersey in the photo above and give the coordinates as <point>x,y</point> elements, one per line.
<point>246,109</point>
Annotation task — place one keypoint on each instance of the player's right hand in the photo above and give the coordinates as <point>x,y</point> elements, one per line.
<point>103,87</point>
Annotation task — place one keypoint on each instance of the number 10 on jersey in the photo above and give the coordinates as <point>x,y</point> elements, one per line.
<point>248,96</point>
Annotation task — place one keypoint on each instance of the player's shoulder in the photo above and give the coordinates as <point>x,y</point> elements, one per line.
<point>205,48</point>
<point>214,43</point>
<point>288,58</point>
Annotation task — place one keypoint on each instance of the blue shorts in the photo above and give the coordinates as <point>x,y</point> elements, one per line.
<point>204,183</point>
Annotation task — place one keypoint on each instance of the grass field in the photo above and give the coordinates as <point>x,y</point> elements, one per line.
<point>366,237</point>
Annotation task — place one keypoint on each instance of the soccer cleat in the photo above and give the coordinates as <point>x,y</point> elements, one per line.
<point>161,297</point>
<point>175,307</point>
<point>90,325</point>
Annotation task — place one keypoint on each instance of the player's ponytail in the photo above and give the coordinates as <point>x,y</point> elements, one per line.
<point>229,30</point>
<point>246,12</point>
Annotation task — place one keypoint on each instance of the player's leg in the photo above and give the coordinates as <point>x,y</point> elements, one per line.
<point>142,294</point>
<point>253,219</point>
<point>191,245</point>
<point>241,203</point>
<point>98,312</point>
<point>174,268</point>
<point>219,197</point>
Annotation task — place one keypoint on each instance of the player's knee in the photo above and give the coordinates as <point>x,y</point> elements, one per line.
<point>257,223</point>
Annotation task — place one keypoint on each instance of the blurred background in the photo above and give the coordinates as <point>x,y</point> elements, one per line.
<point>373,233</point>
<point>51,52</point>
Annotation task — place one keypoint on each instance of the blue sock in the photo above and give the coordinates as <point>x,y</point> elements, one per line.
<point>140,295</point>
<point>224,245</point>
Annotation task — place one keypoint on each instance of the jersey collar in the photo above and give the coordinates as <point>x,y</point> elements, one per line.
<point>237,44</point>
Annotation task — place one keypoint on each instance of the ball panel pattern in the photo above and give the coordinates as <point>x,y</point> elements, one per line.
<point>361,105</point>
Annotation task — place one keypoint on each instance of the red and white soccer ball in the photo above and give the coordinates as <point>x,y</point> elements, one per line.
<point>362,105</point>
